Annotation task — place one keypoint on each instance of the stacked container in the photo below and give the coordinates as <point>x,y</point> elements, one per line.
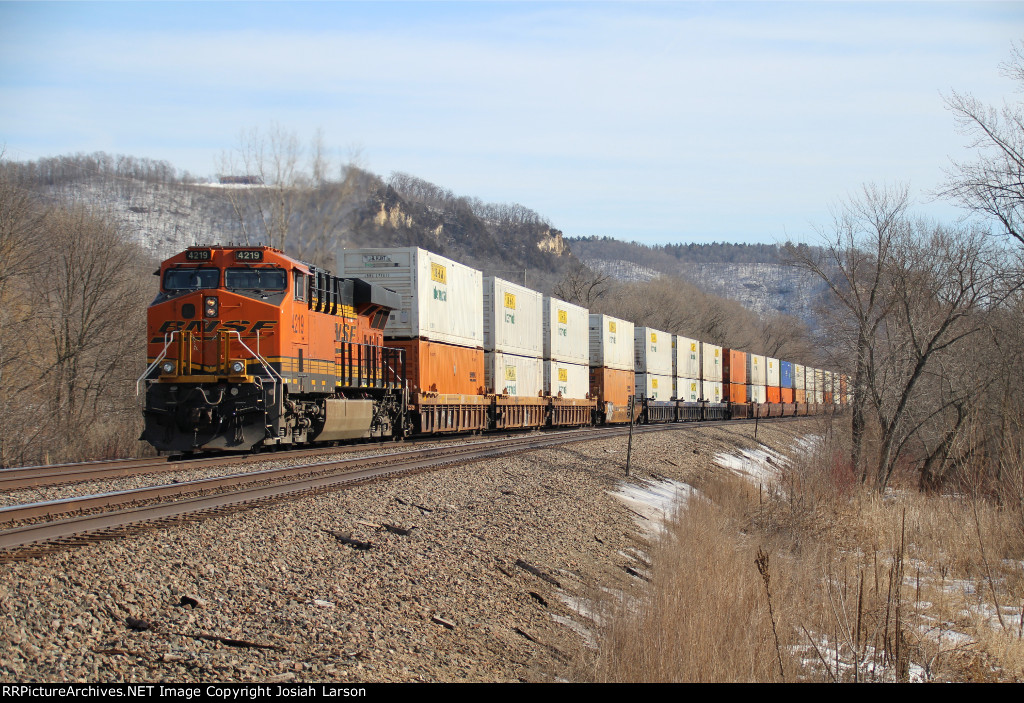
<point>756,379</point>
<point>652,356</point>
<point>819,386</point>
<point>734,375</point>
<point>686,368</point>
<point>772,379</point>
<point>711,373</point>
<point>440,323</point>
<point>611,365</point>
<point>786,380</point>
<point>827,386</point>
<point>513,339</point>
<point>566,349</point>
<point>799,384</point>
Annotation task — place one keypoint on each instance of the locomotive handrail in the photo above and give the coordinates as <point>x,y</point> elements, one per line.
<point>271,371</point>
<point>160,357</point>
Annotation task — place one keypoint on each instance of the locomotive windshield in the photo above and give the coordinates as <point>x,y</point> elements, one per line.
<point>191,279</point>
<point>255,279</point>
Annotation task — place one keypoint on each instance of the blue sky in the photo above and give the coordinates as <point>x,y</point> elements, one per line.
<point>659,122</point>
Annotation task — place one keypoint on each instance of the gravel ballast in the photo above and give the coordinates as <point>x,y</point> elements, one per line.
<point>491,583</point>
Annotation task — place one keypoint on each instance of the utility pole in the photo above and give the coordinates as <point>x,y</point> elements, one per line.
<point>629,447</point>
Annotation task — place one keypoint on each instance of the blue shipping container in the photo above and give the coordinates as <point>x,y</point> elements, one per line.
<point>786,373</point>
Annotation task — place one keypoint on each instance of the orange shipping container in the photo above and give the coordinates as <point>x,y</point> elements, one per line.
<point>800,395</point>
<point>611,385</point>
<point>734,369</point>
<point>774,396</point>
<point>787,395</point>
<point>736,392</point>
<point>434,367</point>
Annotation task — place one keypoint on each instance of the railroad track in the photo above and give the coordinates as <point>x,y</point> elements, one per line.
<point>42,527</point>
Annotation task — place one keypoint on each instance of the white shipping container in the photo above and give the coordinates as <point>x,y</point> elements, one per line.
<point>652,351</point>
<point>713,390</point>
<point>772,371</point>
<point>611,342</point>
<point>688,389</point>
<point>513,318</point>
<point>686,357</point>
<point>837,389</point>
<point>510,374</point>
<point>711,364</point>
<point>757,394</point>
<point>654,386</point>
<point>798,377</point>
<point>566,332</point>
<point>571,380</point>
<point>442,300</point>
<point>756,371</point>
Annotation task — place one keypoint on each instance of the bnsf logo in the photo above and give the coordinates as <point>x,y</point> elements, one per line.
<point>211,327</point>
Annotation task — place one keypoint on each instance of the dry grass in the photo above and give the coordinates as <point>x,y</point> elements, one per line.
<point>862,586</point>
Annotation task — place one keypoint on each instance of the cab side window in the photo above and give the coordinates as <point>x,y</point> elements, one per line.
<point>299,283</point>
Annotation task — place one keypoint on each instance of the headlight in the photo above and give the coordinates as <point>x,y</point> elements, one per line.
<point>237,366</point>
<point>167,367</point>
<point>210,306</point>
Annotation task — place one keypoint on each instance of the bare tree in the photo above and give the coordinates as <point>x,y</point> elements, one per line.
<point>992,185</point>
<point>853,260</point>
<point>302,200</point>
<point>582,285</point>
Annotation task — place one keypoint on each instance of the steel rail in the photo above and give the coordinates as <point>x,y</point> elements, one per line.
<point>318,477</point>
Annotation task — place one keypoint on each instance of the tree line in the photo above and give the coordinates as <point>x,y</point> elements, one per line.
<point>73,296</point>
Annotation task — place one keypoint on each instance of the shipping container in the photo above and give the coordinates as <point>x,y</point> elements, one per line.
<point>688,389</point>
<point>736,392</point>
<point>652,352</point>
<point>787,395</point>
<point>442,300</point>
<point>786,375</point>
<point>611,343</point>
<point>819,386</point>
<point>837,385</point>
<point>566,332</point>
<point>566,380</point>
<point>772,372</point>
<point>712,391</point>
<point>773,394</point>
<point>757,394</point>
<point>612,389</point>
<point>433,367</point>
<point>711,364</point>
<point>798,378</point>
<point>654,386</point>
<point>513,319</point>
<point>800,395</point>
<point>756,374</point>
<point>685,357</point>
<point>734,368</point>
<point>511,374</point>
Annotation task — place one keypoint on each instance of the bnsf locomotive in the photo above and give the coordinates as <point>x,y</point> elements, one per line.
<point>249,347</point>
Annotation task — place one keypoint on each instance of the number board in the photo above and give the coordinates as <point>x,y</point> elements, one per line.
<point>248,255</point>
<point>198,255</point>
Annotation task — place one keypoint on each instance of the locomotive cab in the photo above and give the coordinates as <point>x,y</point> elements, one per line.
<point>250,347</point>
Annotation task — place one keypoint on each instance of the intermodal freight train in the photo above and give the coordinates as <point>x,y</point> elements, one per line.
<point>250,348</point>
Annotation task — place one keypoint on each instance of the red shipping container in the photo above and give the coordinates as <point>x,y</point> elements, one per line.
<point>734,368</point>
<point>434,367</point>
<point>611,385</point>
<point>736,392</point>
<point>774,396</point>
